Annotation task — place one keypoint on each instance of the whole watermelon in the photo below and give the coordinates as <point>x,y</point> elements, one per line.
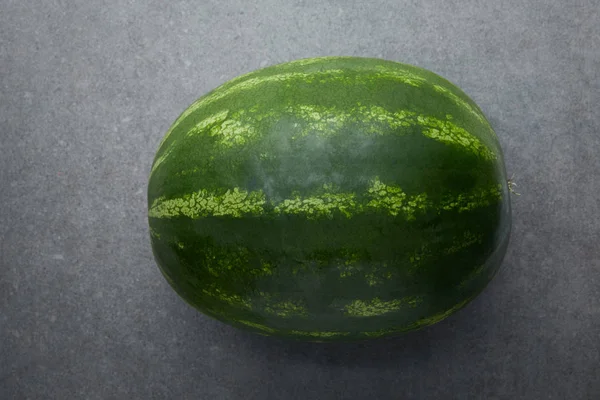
<point>333,198</point>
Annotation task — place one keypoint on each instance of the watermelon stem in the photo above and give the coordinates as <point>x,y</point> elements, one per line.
<point>512,185</point>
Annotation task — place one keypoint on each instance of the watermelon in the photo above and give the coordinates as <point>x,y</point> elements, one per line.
<point>330,199</point>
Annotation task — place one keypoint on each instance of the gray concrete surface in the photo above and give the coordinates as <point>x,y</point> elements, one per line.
<point>88,88</point>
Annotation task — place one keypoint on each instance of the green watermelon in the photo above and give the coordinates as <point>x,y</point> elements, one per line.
<point>334,198</point>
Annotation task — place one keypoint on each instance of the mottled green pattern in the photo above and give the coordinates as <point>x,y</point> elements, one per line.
<point>330,199</point>
<point>335,75</point>
<point>323,205</point>
<point>372,72</point>
<point>394,201</point>
<point>286,309</point>
<point>389,199</point>
<point>231,299</point>
<point>234,203</point>
<point>419,323</point>
<point>463,103</point>
<point>255,325</point>
<point>319,335</point>
<point>375,307</point>
<point>238,129</point>
<point>470,201</point>
<point>467,239</point>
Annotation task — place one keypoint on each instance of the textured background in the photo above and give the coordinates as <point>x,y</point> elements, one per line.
<point>88,88</point>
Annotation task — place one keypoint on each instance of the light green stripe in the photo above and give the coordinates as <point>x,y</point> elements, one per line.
<point>460,102</point>
<point>389,199</point>
<point>231,299</point>
<point>238,129</point>
<point>295,63</point>
<point>440,316</point>
<point>467,202</point>
<point>328,75</point>
<point>246,82</point>
<point>319,334</point>
<point>244,85</point>
<point>467,106</point>
<point>322,205</point>
<point>420,323</point>
<point>468,239</point>
<point>154,234</point>
<point>394,201</point>
<point>226,129</point>
<point>376,307</point>
<point>233,203</point>
<point>315,60</point>
<point>327,121</point>
<point>158,162</point>
<point>217,118</point>
<point>286,309</point>
<point>340,75</point>
<point>260,327</point>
